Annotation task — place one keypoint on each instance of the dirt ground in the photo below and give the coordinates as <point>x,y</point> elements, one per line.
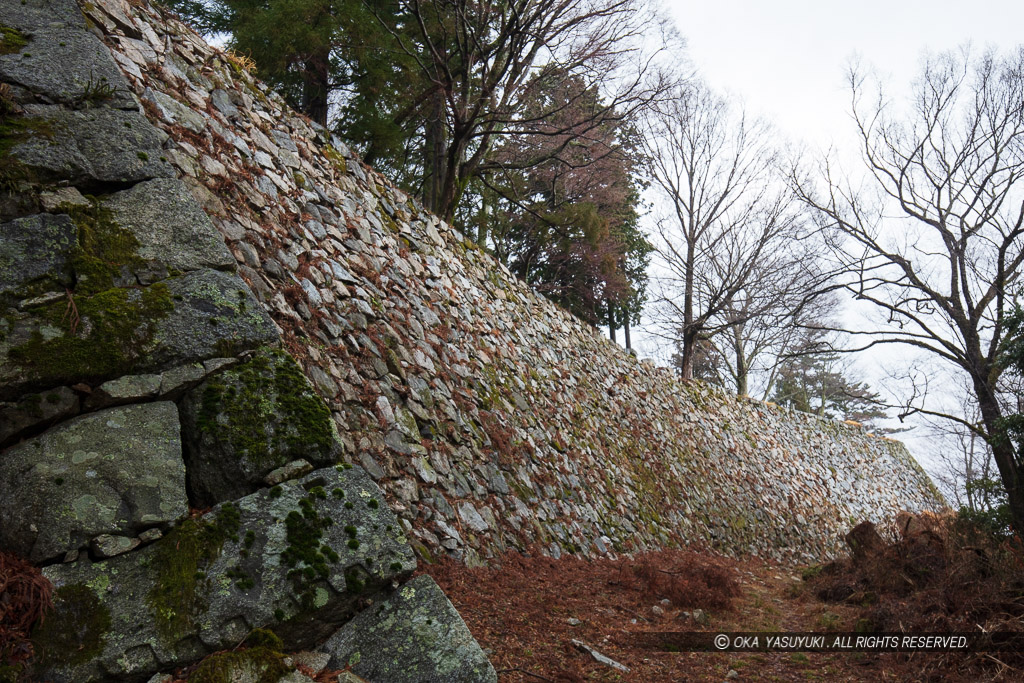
<point>527,612</point>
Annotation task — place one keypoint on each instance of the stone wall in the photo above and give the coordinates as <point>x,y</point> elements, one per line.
<point>491,418</point>
<point>161,455</point>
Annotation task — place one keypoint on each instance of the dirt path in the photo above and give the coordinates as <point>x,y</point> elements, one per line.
<point>528,612</point>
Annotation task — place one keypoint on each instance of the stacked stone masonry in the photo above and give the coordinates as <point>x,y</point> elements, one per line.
<point>142,382</point>
<point>491,418</point>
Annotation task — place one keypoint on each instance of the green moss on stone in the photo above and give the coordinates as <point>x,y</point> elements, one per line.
<point>75,631</point>
<point>105,250</point>
<point>336,158</point>
<point>306,557</point>
<point>267,411</point>
<point>177,598</point>
<point>114,329</point>
<point>11,40</point>
<point>263,665</point>
<point>15,130</point>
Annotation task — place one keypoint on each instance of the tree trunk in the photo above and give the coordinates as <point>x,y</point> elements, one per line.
<point>611,321</point>
<point>1002,452</point>
<point>742,371</point>
<point>625,333</point>
<point>316,87</point>
<point>689,344</point>
<point>434,155</point>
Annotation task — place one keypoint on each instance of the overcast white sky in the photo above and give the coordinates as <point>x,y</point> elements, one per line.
<point>786,60</point>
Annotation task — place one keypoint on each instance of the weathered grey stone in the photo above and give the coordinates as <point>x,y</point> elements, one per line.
<point>30,15</point>
<point>173,111</point>
<point>127,389</point>
<point>314,661</point>
<point>35,253</point>
<point>93,145</point>
<point>471,518</point>
<point>415,636</point>
<point>175,235</point>
<point>51,200</point>
<point>295,677</point>
<point>215,315</point>
<point>68,65</point>
<point>106,545</point>
<point>250,420</point>
<point>202,315</point>
<point>36,411</point>
<point>177,380</point>
<point>150,535</point>
<point>222,101</point>
<point>206,585</point>
<point>293,469</point>
<point>117,471</point>
<point>598,657</point>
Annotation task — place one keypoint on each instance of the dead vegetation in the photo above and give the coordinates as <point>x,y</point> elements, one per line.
<point>25,596</point>
<point>942,575</point>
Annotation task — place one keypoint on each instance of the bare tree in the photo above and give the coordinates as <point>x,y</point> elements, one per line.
<point>483,60</point>
<point>728,244</point>
<point>934,234</point>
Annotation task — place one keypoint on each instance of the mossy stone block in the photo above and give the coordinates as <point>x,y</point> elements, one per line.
<point>107,334</point>
<point>174,234</point>
<point>281,559</point>
<point>249,421</point>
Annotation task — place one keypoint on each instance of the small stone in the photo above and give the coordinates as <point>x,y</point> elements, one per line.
<point>657,611</point>
<point>295,677</point>
<point>598,657</point>
<point>295,468</point>
<point>127,389</point>
<point>701,617</point>
<point>179,379</point>
<point>371,466</point>
<point>107,545</point>
<point>150,535</point>
<point>71,556</point>
<point>314,661</point>
<point>471,518</point>
<point>733,673</point>
<point>573,621</point>
<point>62,196</point>
<point>349,677</point>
